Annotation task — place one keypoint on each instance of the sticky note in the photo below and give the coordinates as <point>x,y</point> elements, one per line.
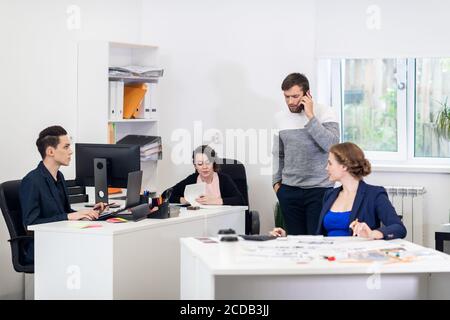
<point>116,220</point>
<point>91,226</point>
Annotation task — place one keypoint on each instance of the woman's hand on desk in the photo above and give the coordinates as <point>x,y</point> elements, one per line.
<point>183,201</point>
<point>88,214</point>
<point>278,232</point>
<point>209,200</point>
<point>361,229</point>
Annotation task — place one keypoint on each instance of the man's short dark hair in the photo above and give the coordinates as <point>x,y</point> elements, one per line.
<point>49,137</point>
<point>295,79</point>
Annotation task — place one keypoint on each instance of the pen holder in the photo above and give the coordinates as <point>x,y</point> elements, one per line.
<point>144,199</point>
<point>156,202</point>
<point>161,213</point>
<point>140,212</point>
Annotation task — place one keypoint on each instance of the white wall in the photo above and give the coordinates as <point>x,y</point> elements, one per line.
<point>224,62</point>
<point>38,63</point>
<point>436,199</point>
<point>407,29</point>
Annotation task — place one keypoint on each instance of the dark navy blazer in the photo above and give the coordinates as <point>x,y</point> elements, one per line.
<point>372,206</point>
<point>39,197</point>
<point>228,190</point>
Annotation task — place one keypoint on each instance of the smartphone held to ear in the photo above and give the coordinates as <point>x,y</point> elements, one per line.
<point>301,106</point>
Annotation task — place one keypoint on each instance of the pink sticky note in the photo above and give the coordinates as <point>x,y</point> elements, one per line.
<point>92,226</point>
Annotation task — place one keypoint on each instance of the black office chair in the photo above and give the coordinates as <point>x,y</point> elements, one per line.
<point>10,206</point>
<point>236,171</point>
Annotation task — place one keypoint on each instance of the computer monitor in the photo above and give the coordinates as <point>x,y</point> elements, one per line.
<point>105,165</point>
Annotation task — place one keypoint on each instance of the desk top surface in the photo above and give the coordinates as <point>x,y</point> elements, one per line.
<point>107,228</point>
<point>315,255</point>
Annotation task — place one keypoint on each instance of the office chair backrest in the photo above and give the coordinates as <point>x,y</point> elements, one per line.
<point>12,213</point>
<point>10,205</point>
<point>236,171</point>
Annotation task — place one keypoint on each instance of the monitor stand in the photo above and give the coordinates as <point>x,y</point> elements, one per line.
<point>101,180</point>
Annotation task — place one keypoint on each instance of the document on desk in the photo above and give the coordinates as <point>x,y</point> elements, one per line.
<point>213,206</point>
<point>194,191</point>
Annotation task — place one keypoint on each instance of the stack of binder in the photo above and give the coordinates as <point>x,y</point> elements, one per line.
<point>129,92</point>
<point>151,146</point>
<point>116,89</point>
<point>131,101</point>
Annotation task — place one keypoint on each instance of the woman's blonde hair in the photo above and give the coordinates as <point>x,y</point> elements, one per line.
<point>351,156</point>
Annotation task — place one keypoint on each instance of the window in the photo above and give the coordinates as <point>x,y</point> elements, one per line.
<point>370,104</point>
<point>432,90</point>
<point>389,106</point>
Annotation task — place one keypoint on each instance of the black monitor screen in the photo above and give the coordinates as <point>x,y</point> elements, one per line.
<point>121,159</point>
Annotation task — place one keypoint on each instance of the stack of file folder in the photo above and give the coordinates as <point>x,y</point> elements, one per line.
<point>151,146</point>
<point>136,71</point>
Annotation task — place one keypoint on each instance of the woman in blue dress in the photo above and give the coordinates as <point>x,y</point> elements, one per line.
<point>355,208</point>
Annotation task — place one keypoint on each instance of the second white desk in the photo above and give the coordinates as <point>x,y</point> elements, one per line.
<point>232,271</point>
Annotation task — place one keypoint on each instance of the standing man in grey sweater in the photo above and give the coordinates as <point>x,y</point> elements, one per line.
<point>300,154</point>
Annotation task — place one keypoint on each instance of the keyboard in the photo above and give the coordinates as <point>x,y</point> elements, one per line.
<point>110,213</point>
<point>257,237</point>
<point>119,198</point>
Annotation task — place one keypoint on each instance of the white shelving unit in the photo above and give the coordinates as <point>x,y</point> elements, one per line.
<point>133,120</point>
<point>94,59</point>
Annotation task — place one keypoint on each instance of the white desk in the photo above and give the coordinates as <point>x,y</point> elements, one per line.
<point>232,271</point>
<point>133,260</point>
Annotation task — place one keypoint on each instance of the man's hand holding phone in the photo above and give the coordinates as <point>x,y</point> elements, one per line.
<point>308,105</point>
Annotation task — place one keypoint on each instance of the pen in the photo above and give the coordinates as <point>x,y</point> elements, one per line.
<point>353,224</point>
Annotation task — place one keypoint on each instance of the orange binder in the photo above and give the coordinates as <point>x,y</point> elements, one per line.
<point>132,99</point>
<point>140,111</point>
<point>114,190</point>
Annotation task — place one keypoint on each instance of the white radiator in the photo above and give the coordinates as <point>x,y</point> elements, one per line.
<point>408,202</point>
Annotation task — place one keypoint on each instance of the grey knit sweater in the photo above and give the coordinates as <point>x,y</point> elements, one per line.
<point>300,150</point>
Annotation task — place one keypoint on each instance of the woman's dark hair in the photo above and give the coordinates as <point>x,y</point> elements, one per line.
<point>49,137</point>
<point>351,156</point>
<point>210,154</point>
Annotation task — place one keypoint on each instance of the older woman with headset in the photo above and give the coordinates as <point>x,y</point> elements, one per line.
<point>356,208</point>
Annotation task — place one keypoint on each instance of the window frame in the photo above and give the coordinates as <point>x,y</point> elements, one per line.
<point>331,93</point>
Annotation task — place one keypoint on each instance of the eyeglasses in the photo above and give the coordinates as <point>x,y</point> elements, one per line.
<point>202,163</point>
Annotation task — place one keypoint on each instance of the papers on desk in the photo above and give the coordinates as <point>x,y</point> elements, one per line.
<point>194,191</point>
<point>300,249</point>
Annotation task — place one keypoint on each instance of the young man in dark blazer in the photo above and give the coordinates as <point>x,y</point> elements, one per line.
<point>43,191</point>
